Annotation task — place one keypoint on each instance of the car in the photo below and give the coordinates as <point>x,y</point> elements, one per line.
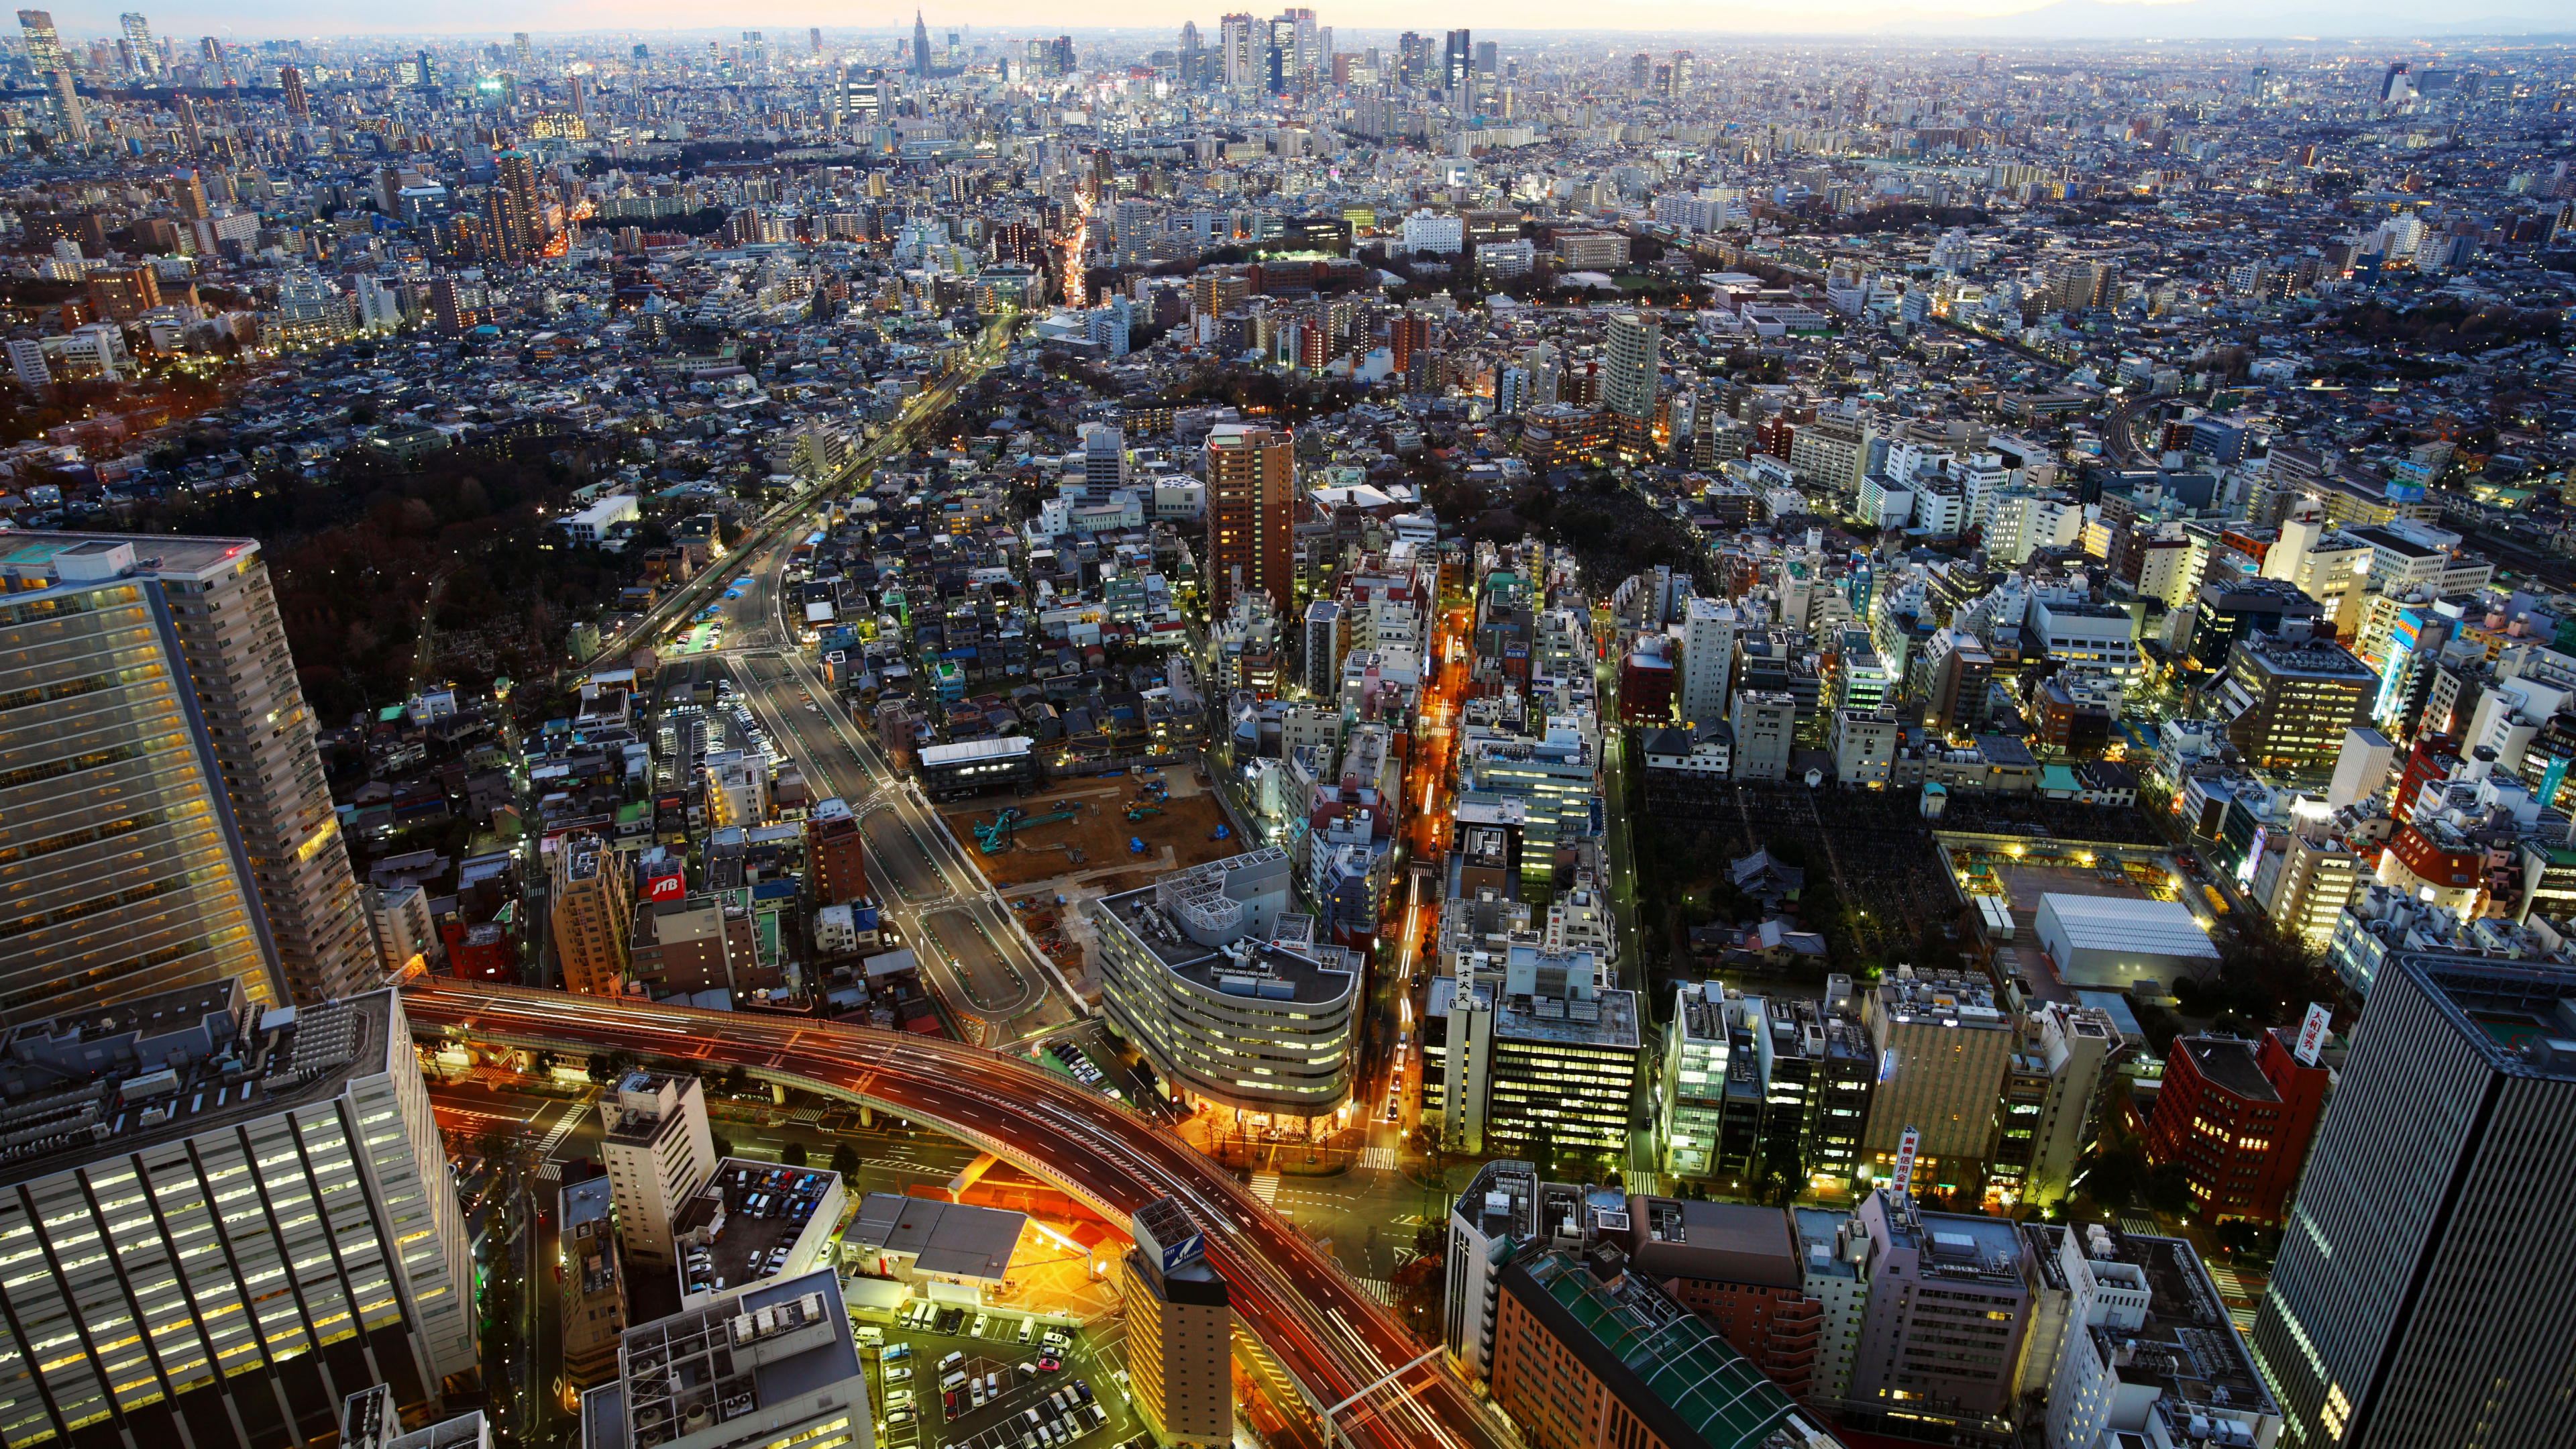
<point>1048,1363</point>
<point>954,1358</point>
<point>1061,1398</point>
<point>898,1374</point>
<point>898,1350</point>
<point>978,1330</point>
<point>1028,1330</point>
<point>948,1404</point>
<point>993,1383</point>
<point>1082,1390</point>
<point>975,1391</point>
<point>1391,1112</point>
<point>1029,1366</point>
<point>872,1335</point>
<point>1031,1415</point>
<point>1098,1415</point>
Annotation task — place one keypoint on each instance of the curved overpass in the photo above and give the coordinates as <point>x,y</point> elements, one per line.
<point>1332,1338</point>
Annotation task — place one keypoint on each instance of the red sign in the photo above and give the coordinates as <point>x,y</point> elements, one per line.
<point>1906,1147</point>
<point>672,887</point>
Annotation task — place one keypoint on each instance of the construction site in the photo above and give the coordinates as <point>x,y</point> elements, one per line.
<point>1093,826</point>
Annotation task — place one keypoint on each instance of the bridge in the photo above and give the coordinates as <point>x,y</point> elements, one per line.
<point>1356,1366</point>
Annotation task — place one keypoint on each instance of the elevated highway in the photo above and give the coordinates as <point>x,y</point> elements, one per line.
<point>1337,1343</point>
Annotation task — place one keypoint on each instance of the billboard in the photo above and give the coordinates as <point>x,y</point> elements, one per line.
<point>672,886</point>
<point>1906,1147</point>
<point>2312,1034</point>
<point>1184,1251</point>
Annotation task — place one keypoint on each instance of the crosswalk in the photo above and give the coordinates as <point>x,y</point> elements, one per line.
<point>1379,1289</point>
<point>1381,1159</point>
<point>549,1171</point>
<point>2232,1287</point>
<point>563,1128</point>
<point>1265,1186</point>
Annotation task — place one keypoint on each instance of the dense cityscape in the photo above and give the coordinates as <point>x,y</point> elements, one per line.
<point>1278,732</point>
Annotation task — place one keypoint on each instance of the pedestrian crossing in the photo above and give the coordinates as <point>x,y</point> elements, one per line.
<point>2142,1227</point>
<point>563,1128</point>
<point>1381,1159</point>
<point>549,1171</point>
<point>1265,1186</point>
<point>1379,1289</point>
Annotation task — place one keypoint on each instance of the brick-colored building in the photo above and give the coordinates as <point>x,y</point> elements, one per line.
<point>2238,1116</point>
<point>1737,1266</point>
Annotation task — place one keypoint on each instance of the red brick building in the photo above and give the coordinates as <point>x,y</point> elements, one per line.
<point>2238,1116</point>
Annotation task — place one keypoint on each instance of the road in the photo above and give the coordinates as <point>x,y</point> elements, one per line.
<point>1285,1290</point>
<point>997,987</point>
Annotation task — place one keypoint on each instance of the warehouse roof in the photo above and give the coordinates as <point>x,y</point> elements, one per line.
<point>2129,925</point>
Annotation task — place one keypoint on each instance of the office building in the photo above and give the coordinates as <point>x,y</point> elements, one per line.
<point>1949,1304</point>
<point>1765,724</point>
<point>1226,993</point>
<point>2147,1353</point>
<point>247,712</point>
<point>1505,1209</point>
<point>1180,1327</point>
<point>2289,702</point>
<point>1737,1266</point>
<point>592,913</point>
<point>1251,515</point>
<point>1630,360</point>
<point>234,1217</point>
<point>1697,1056</point>
<point>776,1365</point>
<point>118,850</point>
<point>593,1302</point>
<point>399,920</point>
<point>42,42</point>
<point>1542,1061</point>
<point>659,1152</point>
<point>836,853</point>
<point>1830,1251</point>
<point>2052,1087</point>
<point>1942,1044</point>
<point>1708,661</point>
<point>2422,1287</point>
<point>370,1419</point>
<point>1327,640</point>
<point>1588,1351</point>
<point>2237,1117</point>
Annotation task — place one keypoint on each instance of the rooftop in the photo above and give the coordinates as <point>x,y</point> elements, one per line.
<point>175,1064</point>
<point>2229,1063</point>
<point>955,1239</point>
<point>746,1212</point>
<point>735,1357</point>
<point>2186,1347</point>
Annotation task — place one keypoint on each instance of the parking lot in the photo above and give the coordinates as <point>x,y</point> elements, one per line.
<point>1062,1399</point>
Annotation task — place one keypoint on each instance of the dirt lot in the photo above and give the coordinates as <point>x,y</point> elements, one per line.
<point>1176,837</point>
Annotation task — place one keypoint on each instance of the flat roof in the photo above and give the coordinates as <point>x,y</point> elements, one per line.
<point>2229,1063</point>
<point>968,750</point>
<point>2132,925</point>
<point>957,1239</point>
<point>746,1236</point>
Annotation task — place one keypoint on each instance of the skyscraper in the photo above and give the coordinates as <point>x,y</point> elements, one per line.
<point>1252,515</point>
<point>920,45</point>
<point>67,108</point>
<point>44,43</point>
<point>1458,61</point>
<point>291,81</point>
<point>514,190</point>
<point>2422,1286</point>
<point>138,33</point>
<point>1629,365</point>
<point>215,1257</point>
<point>230,647</point>
<point>114,838</point>
<point>1180,1324</point>
<point>218,69</point>
<point>593,915</point>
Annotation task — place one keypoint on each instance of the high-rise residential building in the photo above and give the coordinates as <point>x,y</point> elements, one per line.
<point>592,914</point>
<point>237,1216</point>
<point>44,44</point>
<point>138,36</point>
<point>218,635</point>
<point>517,231</point>
<point>2237,1117</point>
<point>73,120</point>
<point>2421,1288</point>
<point>298,105</point>
<point>1180,1326</point>
<point>1505,1209</point>
<point>2051,1088</point>
<point>659,1151</point>
<point>1708,661</point>
<point>1629,363</point>
<point>1328,636</point>
<point>1251,515</point>
<point>119,852</point>
<point>772,1365</point>
<point>836,853</point>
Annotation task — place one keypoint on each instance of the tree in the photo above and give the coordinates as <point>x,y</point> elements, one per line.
<point>723,1145</point>
<point>845,1161</point>
<point>793,1154</point>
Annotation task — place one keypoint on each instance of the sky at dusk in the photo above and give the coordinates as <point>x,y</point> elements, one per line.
<point>268,19</point>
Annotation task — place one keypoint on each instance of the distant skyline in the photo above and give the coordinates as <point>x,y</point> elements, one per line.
<point>2054,20</point>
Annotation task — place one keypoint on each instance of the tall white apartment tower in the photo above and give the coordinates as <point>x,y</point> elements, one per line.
<point>1708,661</point>
<point>659,1152</point>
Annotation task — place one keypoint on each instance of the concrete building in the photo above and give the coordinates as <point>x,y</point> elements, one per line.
<point>2421,1288</point>
<point>776,1365</point>
<point>1942,1044</point>
<point>1829,1258</point>
<point>1505,1209</point>
<point>399,921</point>
<point>2147,1353</point>
<point>1630,359</point>
<point>1180,1327</point>
<point>238,1215</point>
<point>1693,1081</point>
<point>659,1151</point>
<point>836,853</point>
<point>2289,702</point>
<point>250,711</point>
<point>1328,638</point>
<point>1588,1351</point>
<point>1541,1057</point>
<point>755,1222</point>
<point>2237,1117</point>
<point>1708,662</point>
<point>202,696</point>
<point>593,1304</point>
<point>370,1419</point>
<point>2051,1089</point>
<point>1737,1266</point>
<point>1224,991</point>
<point>1765,725</point>
<point>1251,515</point>
<point>1950,1302</point>
<point>591,911</point>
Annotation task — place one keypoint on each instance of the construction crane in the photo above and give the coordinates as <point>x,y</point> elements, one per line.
<point>994,837</point>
